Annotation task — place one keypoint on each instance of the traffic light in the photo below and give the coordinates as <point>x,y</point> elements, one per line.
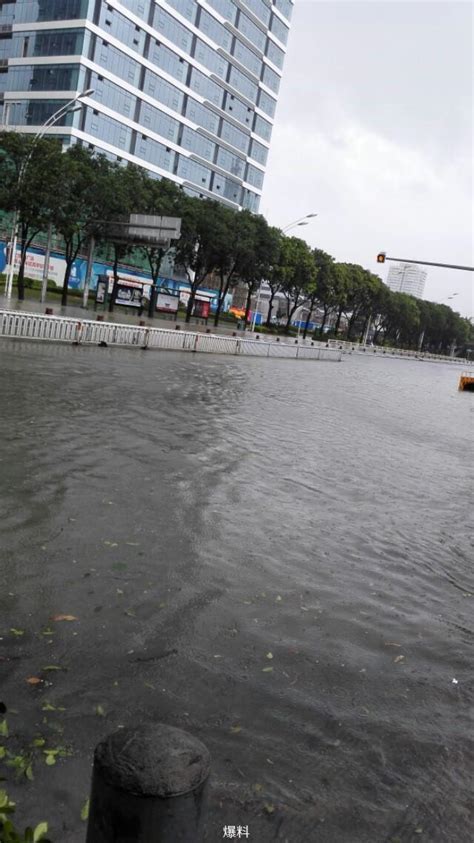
<point>381,257</point>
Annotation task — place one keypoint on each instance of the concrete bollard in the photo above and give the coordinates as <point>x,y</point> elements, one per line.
<point>148,786</point>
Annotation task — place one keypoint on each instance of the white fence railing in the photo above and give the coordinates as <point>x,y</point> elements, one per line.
<point>359,348</point>
<point>36,326</point>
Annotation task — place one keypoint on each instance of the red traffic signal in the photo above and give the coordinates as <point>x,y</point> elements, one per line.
<point>381,257</point>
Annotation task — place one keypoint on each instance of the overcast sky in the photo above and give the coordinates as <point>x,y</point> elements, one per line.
<point>374,133</point>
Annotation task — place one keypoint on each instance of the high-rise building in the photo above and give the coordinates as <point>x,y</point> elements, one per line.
<point>185,88</point>
<point>407,278</point>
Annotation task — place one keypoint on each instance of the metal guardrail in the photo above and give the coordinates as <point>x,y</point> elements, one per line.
<point>35,326</point>
<point>358,348</point>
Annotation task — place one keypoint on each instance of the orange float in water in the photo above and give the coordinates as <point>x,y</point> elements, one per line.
<point>466,381</point>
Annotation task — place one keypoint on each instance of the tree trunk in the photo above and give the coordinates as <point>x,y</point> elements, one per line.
<point>323,323</point>
<point>248,304</point>
<point>115,267</point>
<point>190,305</point>
<point>223,290</point>
<point>67,273</point>
<point>308,320</point>
<point>21,269</point>
<point>155,266</point>
<point>268,321</point>
<point>21,272</point>
<point>366,325</point>
<point>338,320</point>
<point>291,313</point>
<point>286,329</point>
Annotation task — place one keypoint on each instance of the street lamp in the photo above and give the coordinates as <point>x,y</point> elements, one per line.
<point>70,107</point>
<point>301,221</point>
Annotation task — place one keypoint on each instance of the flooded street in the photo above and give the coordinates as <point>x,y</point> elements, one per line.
<point>274,555</point>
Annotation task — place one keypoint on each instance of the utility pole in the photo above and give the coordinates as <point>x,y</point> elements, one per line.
<point>382,257</point>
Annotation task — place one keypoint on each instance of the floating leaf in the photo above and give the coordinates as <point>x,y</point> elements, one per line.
<point>100,711</point>
<point>34,680</point>
<point>269,655</point>
<point>64,618</point>
<point>29,773</point>
<point>111,544</point>
<point>54,667</point>
<point>48,631</point>
<point>3,752</point>
<point>4,729</point>
<point>267,669</point>
<point>258,788</point>
<point>269,808</point>
<point>40,831</point>
<point>235,729</point>
<point>278,599</point>
<point>39,742</point>
<point>17,632</point>
<point>398,659</point>
<point>50,759</point>
<point>85,811</point>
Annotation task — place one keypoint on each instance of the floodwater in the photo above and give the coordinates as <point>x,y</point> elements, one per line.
<point>274,555</point>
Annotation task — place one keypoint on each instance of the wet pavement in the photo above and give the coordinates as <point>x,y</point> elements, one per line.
<point>275,556</point>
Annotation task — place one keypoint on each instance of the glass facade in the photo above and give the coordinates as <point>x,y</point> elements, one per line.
<point>186,89</point>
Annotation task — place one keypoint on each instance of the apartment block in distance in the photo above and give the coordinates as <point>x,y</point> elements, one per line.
<point>185,88</point>
<point>407,278</point>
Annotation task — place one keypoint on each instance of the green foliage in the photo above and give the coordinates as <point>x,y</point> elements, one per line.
<point>8,831</point>
<point>298,274</point>
<point>83,194</point>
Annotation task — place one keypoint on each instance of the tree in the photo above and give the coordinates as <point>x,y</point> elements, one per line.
<point>162,198</point>
<point>324,268</point>
<point>77,205</point>
<point>354,294</point>
<point>196,249</point>
<point>230,238</point>
<point>30,184</point>
<point>275,276</point>
<point>120,191</point>
<point>400,320</point>
<point>298,274</point>
<point>244,240</point>
<point>259,258</point>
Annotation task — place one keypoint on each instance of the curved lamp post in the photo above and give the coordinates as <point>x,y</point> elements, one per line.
<point>301,221</point>
<point>68,108</point>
